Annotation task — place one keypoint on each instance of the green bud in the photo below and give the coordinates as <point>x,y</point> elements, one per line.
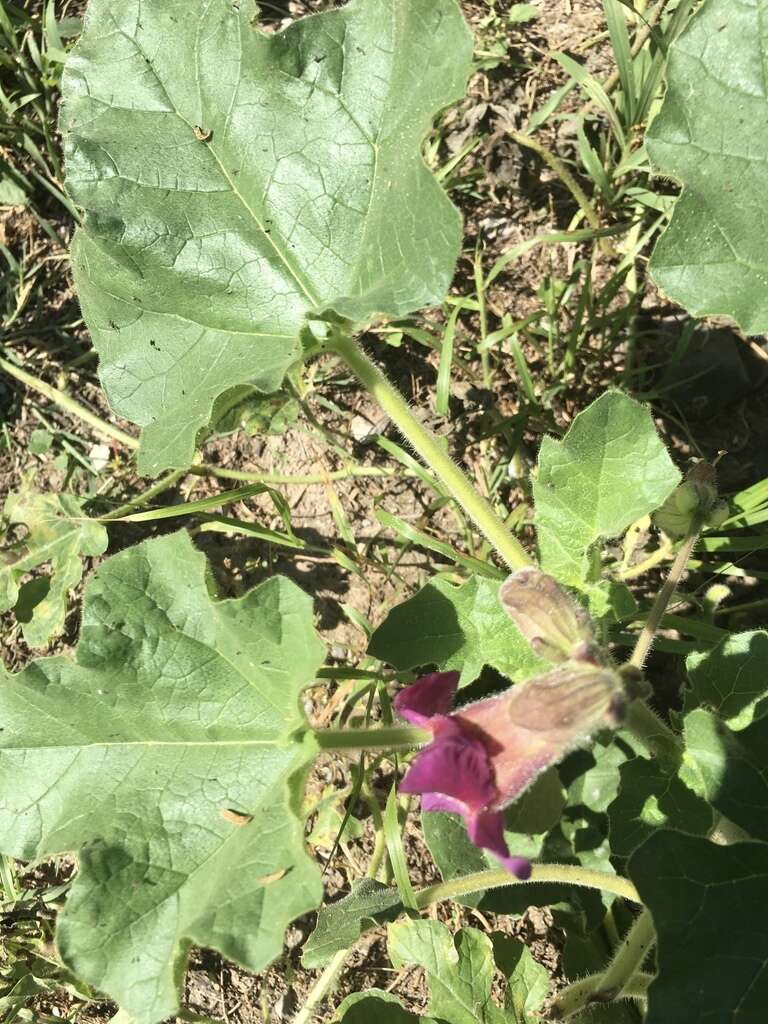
<point>695,498</point>
<point>719,514</point>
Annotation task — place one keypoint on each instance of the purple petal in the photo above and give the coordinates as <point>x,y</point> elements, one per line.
<point>453,766</point>
<point>429,696</point>
<point>440,802</point>
<point>486,829</point>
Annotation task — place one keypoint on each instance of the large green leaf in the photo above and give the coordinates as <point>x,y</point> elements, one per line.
<point>236,183</point>
<point>169,757</point>
<point>456,628</point>
<point>731,679</point>
<point>730,769</point>
<point>609,470</point>
<point>58,534</point>
<point>708,905</point>
<point>649,798</point>
<point>710,136</point>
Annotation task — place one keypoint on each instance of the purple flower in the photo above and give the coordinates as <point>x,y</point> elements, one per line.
<point>483,756</point>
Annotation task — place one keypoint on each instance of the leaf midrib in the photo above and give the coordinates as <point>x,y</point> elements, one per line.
<point>282,256</point>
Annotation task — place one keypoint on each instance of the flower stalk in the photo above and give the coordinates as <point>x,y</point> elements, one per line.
<point>567,874</point>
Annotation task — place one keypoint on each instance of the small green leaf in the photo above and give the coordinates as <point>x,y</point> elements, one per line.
<point>340,925</point>
<point>40,442</point>
<point>730,769</point>
<point>459,974</point>
<point>527,980</point>
<point>461,628</point>
<point>650,798</point>
<point>709,135</point>
<point>609,470</point>
<point>708,905</point>
<point>731,679</point>
<point>60,535</point>
<point>169,757</point>
<point>238,183</point>
<point>374,1006</point>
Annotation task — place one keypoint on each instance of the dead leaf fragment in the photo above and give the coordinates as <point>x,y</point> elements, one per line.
<point>235,817</point>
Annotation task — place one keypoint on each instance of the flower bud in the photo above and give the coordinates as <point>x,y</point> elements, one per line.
<point>695,498</point>
<point>555,626</point>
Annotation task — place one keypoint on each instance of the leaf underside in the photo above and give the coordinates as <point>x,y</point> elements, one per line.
<point>168,757</point>
<point>235,183</point>
<point>710,136</point>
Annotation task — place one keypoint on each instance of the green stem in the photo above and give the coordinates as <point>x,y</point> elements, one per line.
<point>395,737</point>
<point>641,720</point>
<point>163,484</point>
<point>69,404</point>
<point>665,595</point>
<point>322,987</point>
<point>426,445</point>
<point>567,874</point>
<point>612,984</point>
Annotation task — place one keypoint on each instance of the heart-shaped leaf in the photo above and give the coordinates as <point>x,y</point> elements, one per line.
<point>340,925</point>
<point>710,136</point>
<point>169,757</point>
<point>236,183</point>
<point>610,469</point>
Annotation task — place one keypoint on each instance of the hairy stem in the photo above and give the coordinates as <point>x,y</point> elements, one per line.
<point>426,445</point>
<point>641,720</point>
<point>568,874</point>
<point>163,484</point>
<point>575,997</point>
<point>612,984</point>
<point>322,987</point>
<point>665,595</point>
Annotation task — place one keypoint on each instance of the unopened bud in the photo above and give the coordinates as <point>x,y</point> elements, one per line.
<point>555,626</point>
<point>695,498</point>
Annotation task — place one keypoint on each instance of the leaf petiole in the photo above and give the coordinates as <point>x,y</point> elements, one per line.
<point>396,737</point>
<point>426,445</point>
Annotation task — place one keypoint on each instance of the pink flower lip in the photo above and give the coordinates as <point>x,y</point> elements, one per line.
<point>454,773</point>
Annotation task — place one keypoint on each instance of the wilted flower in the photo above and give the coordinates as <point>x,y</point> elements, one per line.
<point>483,756</point>
<point>555,626</point>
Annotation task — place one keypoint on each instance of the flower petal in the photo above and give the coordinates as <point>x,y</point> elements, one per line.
<point>429,696</point>
<point>486,830</point>
<point>455,766</point>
